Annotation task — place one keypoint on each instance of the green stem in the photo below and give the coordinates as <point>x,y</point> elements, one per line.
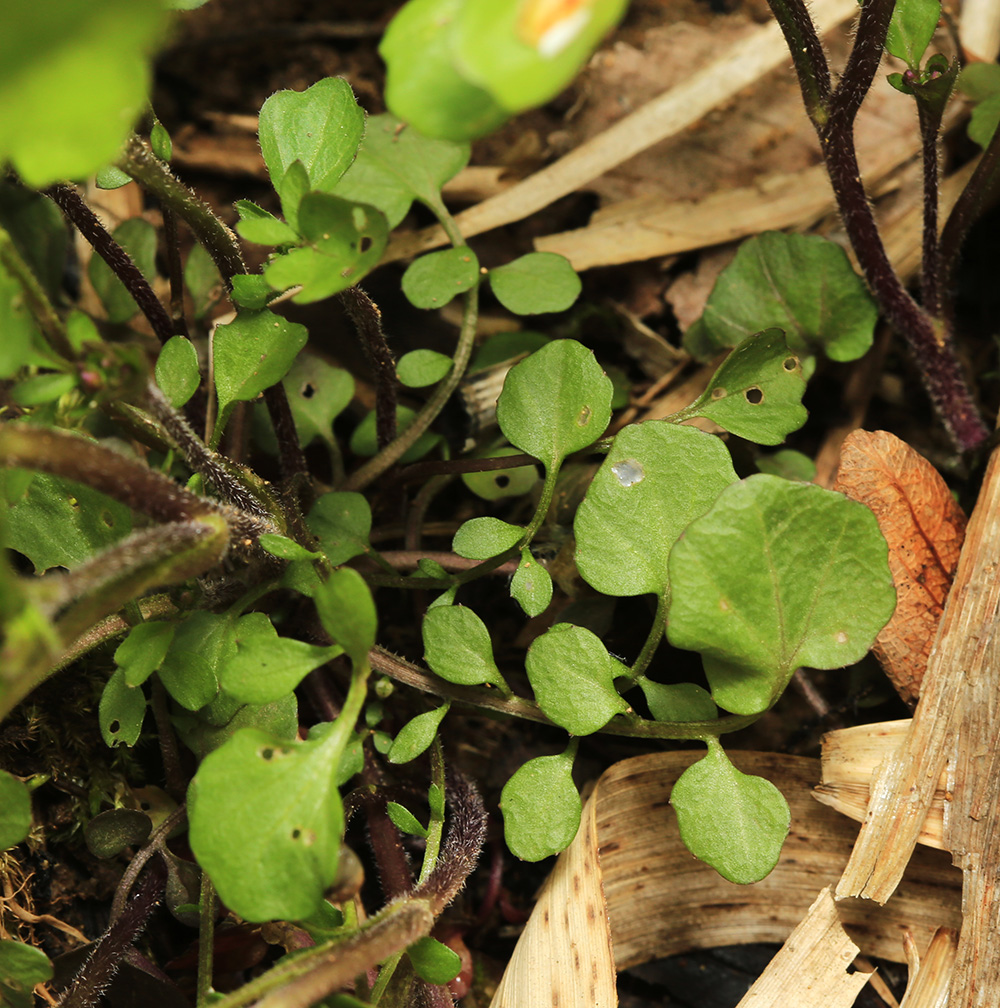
<point>656,632</point>
<point>542,508</point>
<point>206,940</point>
<point>435,826</point>
<point>386,970</point>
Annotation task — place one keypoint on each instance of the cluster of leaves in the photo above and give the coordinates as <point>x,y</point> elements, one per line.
<point>759,576</point>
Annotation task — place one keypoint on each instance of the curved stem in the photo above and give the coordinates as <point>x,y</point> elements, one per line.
<point>656,632</point>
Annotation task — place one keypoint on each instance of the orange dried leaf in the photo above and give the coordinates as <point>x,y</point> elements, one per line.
<point>924,528</point>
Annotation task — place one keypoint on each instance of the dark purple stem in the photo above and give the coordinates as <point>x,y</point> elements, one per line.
<point>85,221</point>
<point>930,273</point>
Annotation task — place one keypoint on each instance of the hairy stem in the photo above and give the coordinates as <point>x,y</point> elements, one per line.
<point>930,272</point>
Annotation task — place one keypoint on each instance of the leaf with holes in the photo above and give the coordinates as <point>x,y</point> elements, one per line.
<point>15,810</point>
<point>317,394</point>
<point>265,666</point>
<point>541,807</point>
<point>536,283</point>
<point>573,678</point>
<point>60,523</point>
<point>757,391</point>
<point>777,575</point>
<point>121,712</point>
<point>347,612</point>
<point>482,538</point>
<point>252,353</point>
<point>678,701</point>
<point>555,402</point>
<point>802,284</point>
<point>416,735</point>
<point>320,127</point>
<point>341,521</point>
<point>143,650</point>
<point>138,238</point>
<point>396,165</point>
<point>434,279</point>
<point>342,241</point>
<point>730,820</point>
<point>177,371</point>
<point>531,585</point>
<point>495,484</point>
<point>279,719</point>
<point>266,822</point>
<point>656,476</point>
<point>458,648</point>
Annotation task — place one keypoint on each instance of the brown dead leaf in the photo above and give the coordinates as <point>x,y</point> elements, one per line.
<point>925,529</point>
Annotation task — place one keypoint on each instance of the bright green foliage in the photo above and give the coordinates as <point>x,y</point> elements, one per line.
<point>203,642</point>
<point>788,463</point>
<point>291,190</point>
<point>457,647</point>
<point>342,242</point>
<point>404,820</point>
<point>121,712</point>
<point>656,479</point>
<point>678,701</point>
<point>160,142</point>
<point>347,612</point>
<point>416,736</point>
<point>531,585</point>
<point>251,291</point>
<point>279,719</point>
<point>341,521</point>
<point>253,352</point>
<point>911,29</point>
<point>541,807</point>
<point>728,819</point>
<point>802,284</point>
<point>434,962</point>
<point>258,226</point>
<point>320,127</point>
<point>21,967</point>
<point>397,165</point>
<point>757,391</point>
<point>776,575</point>
<point>143,650</point>
<point>110,177</point>
<point>138,238</point>
<point>363,439</point>
<point>60,523</point>
<point>266,822</point>
<point>201,277</point>
<point>422,84</point>
<point>981,83</point>
<point>42,388</point>
<point>177,370</point>
<point>434,279</point>
<point>482,538</point>
<point>15,810</point>
<point>535,283</point>
<point>317,394</point>
<point>496,484</point>
<point>573,678</point>
<point>419,368</point>
<point>266,666</point>
<point>284,548</point>
<point>555,402</point>
<point>73,77</point>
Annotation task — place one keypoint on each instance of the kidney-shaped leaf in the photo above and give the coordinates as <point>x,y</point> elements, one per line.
<point>656,479</point>
<point>555,402</point>
<point>777,575</point>
<point>541,807</point>
<point>573,678</point>
<point>730,820</point>
<point>757,391</point>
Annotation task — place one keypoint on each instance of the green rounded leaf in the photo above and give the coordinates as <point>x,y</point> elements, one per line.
<point>121,711</point>
<point>266,822</point>
<point>110,832</point>
<point>757,391</point>
<point>177,371</point>
<point>730,820</point>
<point>555,402</point>
<point>201,644</point>
<point>458,648</point>
<point>911,29</point>
<point>678,701</point>
<point>320,127</point>
<point>258,226</point>
<point>15,810</point>
<point>434,962</point>
<point>531,585</point>
<point>143,650</point>
<point>21,967</point>
<point>656,479</point>
<point>789,464</point>
<point>317,394</point>
<point>252,353</point>
<point>420,368</point>
<point>347,611</point>
<point>777,575</point>
<point>416,736</point>
<point>159,140</point>
<point>434,279</point>
<point>535,283</point>
<point>341,521</point>
<point>541,807</point>
<point>573,678</point>
<point>251,291</point>
<point>803,284</point>
<point>482,538</point>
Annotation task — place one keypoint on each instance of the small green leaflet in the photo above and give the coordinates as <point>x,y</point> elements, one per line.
<point>121,711</point>
<point>541,807</point>
<point>433,961</point>
<point>416,735</point>
<point>531,585</point>
<point>420,368</point>
<point>15,811</point>
<point>981,82</point>
<point>177,371</point>
<point>346,610</point>
<point>251,291</point>
<point>778,574</point>
<point>732,821</point>
<point>573,678</point>
<point>434,279</point>
<point>757,391</point>
<point>535,283</point>
<point>404,820</point>
<point>341,521</point>
<point>317,394</point>
<point>138,238</point>
<point>258,226</point>
<point>802,284</point>
<point>555,402</point>
<point>143,650</point>
<point>678,701</point>
<point>457,647</point>
<point>911,29</point>
<point>21,968</point>
<point>482,538</point>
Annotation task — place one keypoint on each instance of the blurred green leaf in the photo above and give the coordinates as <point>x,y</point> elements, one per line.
<point>201,277</point>
<point>789,464</point>
<point>21,968</point>
<point>911,29</point>
<point>251,291</point>
<point>138,237</point>
<point>434,962</point>
<point>284,548</point>
<point>363,439</point>
<point>15,811</point>
<point>121,711</point>
<point>177,371</point>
